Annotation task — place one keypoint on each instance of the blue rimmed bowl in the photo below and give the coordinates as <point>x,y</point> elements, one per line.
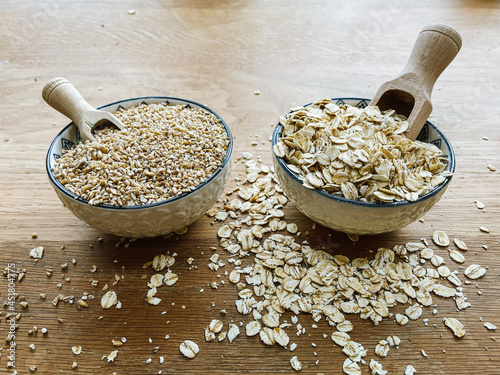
<point>147,220</point>
<point>357,217</point>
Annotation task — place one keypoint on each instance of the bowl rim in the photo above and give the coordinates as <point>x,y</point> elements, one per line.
<point>451,168</point>
<point>227,158</point>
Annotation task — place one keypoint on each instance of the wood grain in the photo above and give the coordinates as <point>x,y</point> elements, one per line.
<point>219,53</point>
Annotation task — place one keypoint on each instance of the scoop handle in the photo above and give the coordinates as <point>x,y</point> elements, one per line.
<point>435,48</point>
<point>61,95</point>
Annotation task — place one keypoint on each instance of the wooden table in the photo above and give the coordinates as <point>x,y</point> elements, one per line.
<point>250,61</point>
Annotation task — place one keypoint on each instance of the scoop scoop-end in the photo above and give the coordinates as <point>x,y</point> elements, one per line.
<point>409,94</point>
<point>61,95</point>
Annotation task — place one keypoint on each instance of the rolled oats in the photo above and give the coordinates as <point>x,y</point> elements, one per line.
<point>350,367</point>
<point>215,325</point>
<point>474,271</point>
<point>376,368</point>
<point>460,244</point>
<point>233,332</point>
<point>109,299</point>
<point>295,363</point>
<point>393,340</point>
<point>111,356</point>
<point>490,326</point>
<point>290,276</point>
<point>457,256</point>
<point>37,252</point>
<point>162,261</point>
<point>455,325</point>
<point>462,303</point>
<point>253,328</point>
<point>357,153</point>
<point>382,348</point>
<point>76,350</point>
<point>170,278</point>
<point>444,291</point>
<point>444,271</point>
<point>281,337</point>
<point>267,336</point>
<point>189,349</point>
<point>156,280</point>
<point>440,238</point>
<point>340,338</point>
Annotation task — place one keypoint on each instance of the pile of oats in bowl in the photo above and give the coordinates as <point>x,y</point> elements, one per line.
<point>358,153</point>
<point>166,151</point>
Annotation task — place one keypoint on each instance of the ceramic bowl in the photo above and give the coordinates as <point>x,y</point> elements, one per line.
<point>148,220</point>
<point>356,217</point>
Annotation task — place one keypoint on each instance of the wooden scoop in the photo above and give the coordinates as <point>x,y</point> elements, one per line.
<point>61,95</point>
<point>409,94</point>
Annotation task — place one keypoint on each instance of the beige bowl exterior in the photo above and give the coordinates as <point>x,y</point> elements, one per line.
<point>141,221</point>
<point>356,217</point>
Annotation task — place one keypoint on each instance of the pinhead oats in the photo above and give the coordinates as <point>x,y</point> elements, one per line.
<point>167,151</point>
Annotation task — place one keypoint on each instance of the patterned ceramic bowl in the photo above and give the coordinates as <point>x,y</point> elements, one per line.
<point>356,217</point>
<point>147,220</point>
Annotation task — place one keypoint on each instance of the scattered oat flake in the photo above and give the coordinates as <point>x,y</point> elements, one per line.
<point>233,332</point>
<point>382,348</point>
<point>474,271</point>
<point>480,205</point>
<point>156,280</point>
<point>350,367</point>
<point>455,325</point>
<point>414,311</point>
<point>253,328</point>
<point>491,168</point>
<point>340,338</point>
<point>353,237</point>
<point>457,256</point>
<point>462,303</point>
<point>111,356</point>
<point>76,350</point>
<point>490,326</point>
<point>410,370</point>
<point>170,278</point>
<point>376,368</point>
<point>295,363</point>
<point>460,244</point>
<point>37,252</point>
<point>484,229</point>
<point>281,337</point>
<point>109,299</point>
<point>440,238</point>
<point>189,349</point>
<point>153,300</point>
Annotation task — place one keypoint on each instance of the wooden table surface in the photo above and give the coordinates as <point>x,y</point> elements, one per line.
<point>250,61</point>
